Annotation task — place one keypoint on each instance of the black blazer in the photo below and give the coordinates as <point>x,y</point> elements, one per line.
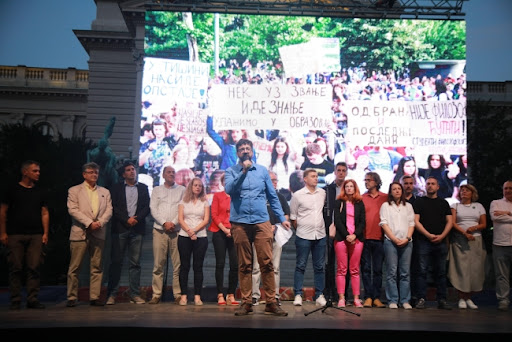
<point>120,216</point>
<point>340,220</point>
<point>330,199</point>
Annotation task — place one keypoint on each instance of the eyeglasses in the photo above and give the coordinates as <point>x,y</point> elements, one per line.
<point>368,180</point>
<point>91,172</point>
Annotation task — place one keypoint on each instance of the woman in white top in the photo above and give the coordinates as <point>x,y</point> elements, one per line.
<point>193,216</point>
<point>397,222</point>
<point>281,162</point>
<point>466,254</point>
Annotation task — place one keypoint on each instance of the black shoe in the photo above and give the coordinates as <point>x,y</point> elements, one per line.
<point>274,309</point>
<point>413,302</point>
<point>244,310</point>
<point>255,301</point>
<point>278,302</point>
<point>442,304</point>
<point>35,305</point>
<point>420,304</point>
<point>71,303</point>
<point>15,305</point>
<point>96,302</point>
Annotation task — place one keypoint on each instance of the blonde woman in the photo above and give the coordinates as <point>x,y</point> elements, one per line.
<point>467,252</point>
<point>193,216</point>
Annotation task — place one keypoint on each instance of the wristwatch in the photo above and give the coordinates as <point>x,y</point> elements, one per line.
<point>409,238</point>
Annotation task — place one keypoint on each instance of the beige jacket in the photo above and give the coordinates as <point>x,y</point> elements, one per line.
<point>79,207</point>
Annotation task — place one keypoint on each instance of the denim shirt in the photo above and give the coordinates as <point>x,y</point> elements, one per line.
<point>249,193</point>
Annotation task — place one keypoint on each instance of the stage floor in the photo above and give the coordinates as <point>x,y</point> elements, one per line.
<point>129,321</point>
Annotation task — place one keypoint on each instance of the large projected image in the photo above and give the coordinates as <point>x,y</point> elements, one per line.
<point>380,95</point>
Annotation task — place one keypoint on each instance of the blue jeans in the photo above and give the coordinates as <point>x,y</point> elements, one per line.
<point>302,249</point>
<point>121,243</point>
<point>398,262</point>
<point>434,254</point>
<point>371,268</point>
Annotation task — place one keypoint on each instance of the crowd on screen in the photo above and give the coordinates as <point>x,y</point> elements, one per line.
<point>202,154</point>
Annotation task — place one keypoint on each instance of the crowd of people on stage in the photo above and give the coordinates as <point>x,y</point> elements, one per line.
<point>370,248</point>
<point>374,219</point>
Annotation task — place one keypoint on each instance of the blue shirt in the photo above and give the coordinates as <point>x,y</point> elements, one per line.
<point>249,193</point>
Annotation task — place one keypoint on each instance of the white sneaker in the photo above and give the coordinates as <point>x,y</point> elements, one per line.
<point>298,300</point>
<point>393,306</point>
<point>111,300</point>
<point>471,305</point>
<point>462,304</point>
<point>320,301</point>
<point>407,306</point>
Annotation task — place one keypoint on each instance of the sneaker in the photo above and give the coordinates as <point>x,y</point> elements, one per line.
<point>442,304</point>
<point>278,301</point>
<point>320,301</point>
<point>341,303</point>
<point>407,306</point>
<point>378,304</point>
<point>471,305</point>
<point>420,304</point>
<point>110,300</point>
<point>462,304</point>
<point>358,303</point>
<point>154,300</point>
<point>368,303</point>
<point>503,305</point>
<point>298,300</point>
<point>393,306</point>
<point>274,309</point>
<point>137,300</point>
<point>244,310</point>
<point>255,301</point>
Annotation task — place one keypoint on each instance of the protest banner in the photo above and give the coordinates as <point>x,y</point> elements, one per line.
<point>270,106</point>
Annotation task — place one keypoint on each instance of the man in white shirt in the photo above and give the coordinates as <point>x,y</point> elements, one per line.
<point>501,216</point>
<point>306,215</point>
<point>164,209</point>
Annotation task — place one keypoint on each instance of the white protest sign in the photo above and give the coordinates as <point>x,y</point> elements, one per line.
<point>428,126</point>
<point>287,107</point>
<point>167,81</point>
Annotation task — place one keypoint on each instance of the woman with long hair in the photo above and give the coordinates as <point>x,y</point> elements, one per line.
<point>397,222</point>
<point>407,166</point>
<point>350,223</point>
<point>193,216</point>
<point>437,168</point>
<point>281,163</point>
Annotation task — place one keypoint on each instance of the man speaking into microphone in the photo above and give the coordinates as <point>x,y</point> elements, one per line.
<point>250,188</point>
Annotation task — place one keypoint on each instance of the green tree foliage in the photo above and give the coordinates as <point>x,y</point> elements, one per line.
<point>379,44</point>
<point>61,167</point>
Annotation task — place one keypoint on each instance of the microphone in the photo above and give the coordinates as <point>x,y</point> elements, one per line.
<point>246,161</point>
